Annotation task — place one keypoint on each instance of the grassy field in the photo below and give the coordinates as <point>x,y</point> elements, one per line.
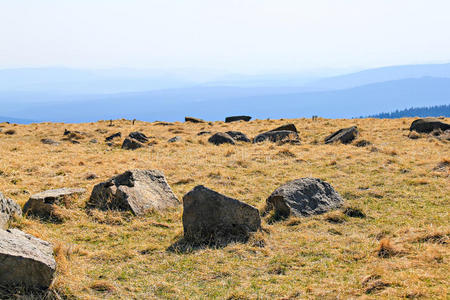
<point>399,250</point>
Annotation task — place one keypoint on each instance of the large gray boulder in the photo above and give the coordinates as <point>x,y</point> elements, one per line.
<point>45,204</point>
<point>238,136</point>
<point>237,118</point>
<point>214,218</point>
<point>8,208</point>
<point>138,191</point>
<point>25,261</point>
<point>304,197</point>
<point>283,136</point>
<point>344,135</point>
<point>221,138</point>
<point>428,125</point>
<point>131,144</point>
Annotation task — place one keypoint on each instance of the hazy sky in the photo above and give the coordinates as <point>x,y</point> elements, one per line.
<point>234,35</point>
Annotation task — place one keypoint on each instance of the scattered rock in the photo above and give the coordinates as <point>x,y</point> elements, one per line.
<point>304,197</point>
<point>363,143</point>
<point>91,176</point>
<point>237,118</point>
<point>284,136</point>
<point>221,138</point>
<point>344,135</point>
<point>45,204</point>
<point>131,144</point>
<point>238,136</point>
<point>8,208</point>
<point>25,260</point>
<point>354,212</point>
<point>93,141</point>
<point>427,125</point>
<point>138,191</point>
<point>49,142</point>
<point>286,127</point>
<point>210,217</point>
<point>203,133</point>
<point>175,139</point>
<point>193,120</point>
<point>101,130</point>
<point>138,136</point>
<point>158,123</point>
<point>113,136</point>
<point>10,132</point>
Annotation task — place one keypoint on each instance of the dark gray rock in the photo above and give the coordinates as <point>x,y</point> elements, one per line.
<point>8,208</point>
<point>113,136</point>
<point>344,135</point>
<point>304,197</point>
<point>203,133</point>
<point>211,217</point>
<point>284,136</point>
<point>44,205</point>
<point>138,136</point>
<point>138,191</point>
<point>175,139</point>
<point>238,136</point>
<point>49,142</point>
<point>131,144</point>
<point>193,120</point>
<point>237,118</point>
<point>221,138</point>
<point>288,127</point>
<point>428,125</point>
<point>26,261</point>
<point>93,141</point>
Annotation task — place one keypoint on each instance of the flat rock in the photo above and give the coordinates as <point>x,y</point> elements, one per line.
<point>138,191</point>
<point>221,138</point>
<point>43,205</point>
<point>210,217</point>
<point>304,197</point>
<point>344,135</point>
<point>284,136</point>
<point>131,144</point>
<point>288,127</point>
<point>427,125</point>
<point>193,120</point>
<point>237,118</point>
<point>25,260</point>
<point>8,208</point>
<point>238,136</point>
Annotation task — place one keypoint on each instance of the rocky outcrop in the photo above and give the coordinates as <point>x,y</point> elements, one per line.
<point>193,120</point>
<point>344,135</point>
<point>8,208</point>
<point>138,191</point>
<point>283,136</point>
<point>304,197</point>
<point>210,217</point>
<point>427,125</point>
<point>221,138</point>
<point>237,118</point>
<point>131,144</point>
<point>26,261</point>
<point>238,136</point>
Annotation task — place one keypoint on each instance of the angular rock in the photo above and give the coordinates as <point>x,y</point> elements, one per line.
<point>344,135</point>
<point>138,191</point>
<point>238,136</point>
<point>25,260</point>
<point>237,118</point>
<point>49,142</point>
<point>428,125</point>
<point>175,139</point>
<point>193,120</point>
<point>288,127</point>
<point>304,197</point>
<point>44,205</point>
<point>284,136</point>
<point>138,136</point>
<point>131,144</point>
<point>221,138</point>
<point>8,208</point>
<point>113,136</point>
<point>210,217</point>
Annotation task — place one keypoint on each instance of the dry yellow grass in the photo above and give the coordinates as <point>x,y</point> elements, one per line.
<point>393,181</point>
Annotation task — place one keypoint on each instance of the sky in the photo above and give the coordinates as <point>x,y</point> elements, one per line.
<point>234,35</point>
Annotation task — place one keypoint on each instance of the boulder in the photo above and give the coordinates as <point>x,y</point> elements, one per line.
<point>284,136</point>
<point>288,127</point>
<point>344,135</point>
<point>138,191</point>
<point>304,197</point>
<point>113,136</point>
<point>428,125</point>
<point>238,136</point>
<point>49,142</point>
<point>26,261</point>
<point>175,139</point>
<point>237,118</point>
<point>131,144</point>
<point>221,138</point>
<point>212,217</point>
<point>193,120</point>
<point>8,208</point>
<point>138,136</point>
<point>45,204</point>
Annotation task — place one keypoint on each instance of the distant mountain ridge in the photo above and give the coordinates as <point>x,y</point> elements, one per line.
<point>432,111</point>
